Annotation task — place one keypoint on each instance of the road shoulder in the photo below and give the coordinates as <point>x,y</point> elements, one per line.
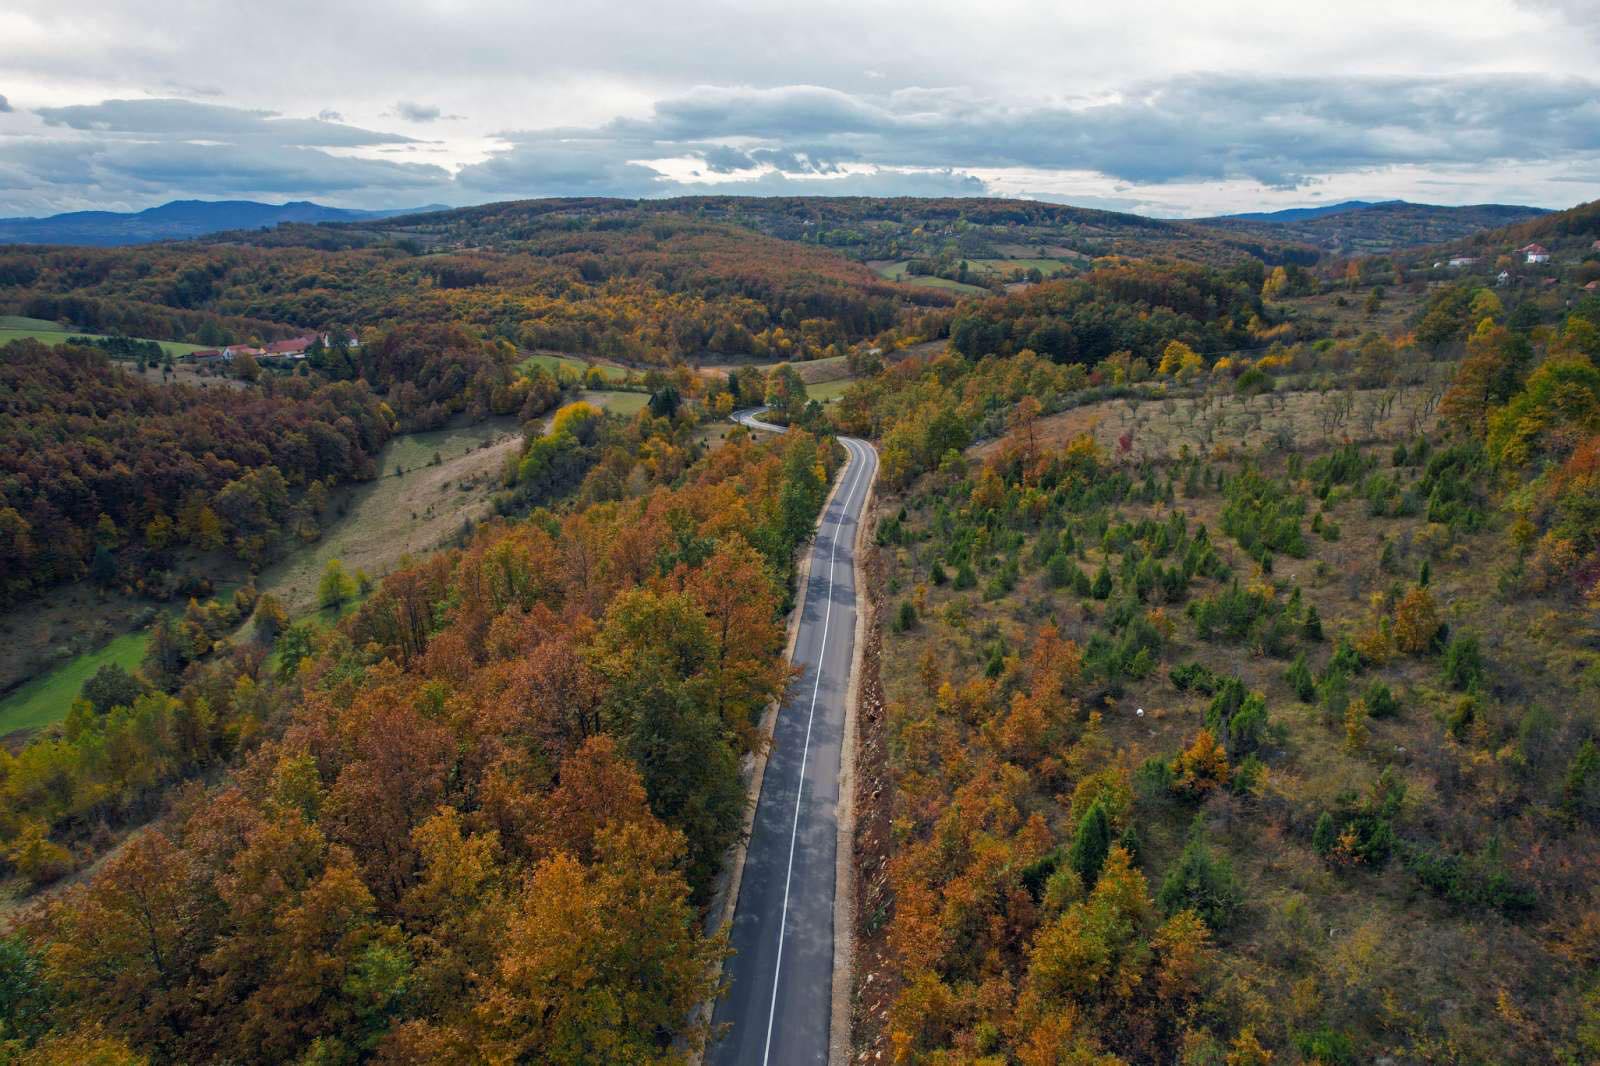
<point>844,911</point>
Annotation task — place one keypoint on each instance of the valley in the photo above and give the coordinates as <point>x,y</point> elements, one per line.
<point>1222,690</point>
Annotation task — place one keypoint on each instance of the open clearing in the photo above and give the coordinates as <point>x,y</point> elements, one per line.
<point>45,699</point>
<point>626,404</point>
<point>555,363</point>
<point>411,513</point>
<point>811,371</point>
<point>996,268</point>
<point>828,391</point>
<point>1047,267</point>
<point>16,328</point>
<point>897,272</point>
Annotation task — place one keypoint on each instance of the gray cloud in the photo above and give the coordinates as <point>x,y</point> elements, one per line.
<point>1582,13</point>
<point>5,105</point>
<point>171,87</point>
<point>1278,131</point>
<point>945,182</point>
<point>538,165</point>
<point>193,120</point>
<point>136,152</point>
<point>414,112</point>
<point>328,114</point>
<point>214,168</point>
<point>720,159</point>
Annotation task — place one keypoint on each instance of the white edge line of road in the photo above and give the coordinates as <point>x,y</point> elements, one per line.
<point>858,460</point>
<point>726,898</point>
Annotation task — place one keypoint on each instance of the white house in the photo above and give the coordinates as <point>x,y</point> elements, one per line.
<point>1536,253</point>
<point>1462,261</point>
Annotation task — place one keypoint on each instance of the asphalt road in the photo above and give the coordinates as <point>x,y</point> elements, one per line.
<point>780,979</point>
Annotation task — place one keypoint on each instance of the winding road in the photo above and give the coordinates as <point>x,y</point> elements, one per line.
<point>780,978</point>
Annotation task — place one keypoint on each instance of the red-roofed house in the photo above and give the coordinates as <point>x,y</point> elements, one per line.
<point>294,348</point>
<point>1536,253</point>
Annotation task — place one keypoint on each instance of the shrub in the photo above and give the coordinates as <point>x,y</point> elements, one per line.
<point>1247,728</point>
<point>1450,485</point>
<point>1326,1045</point>
<point>1325,837</point>
<point>1194,676</point>
<point>1470,881</point>
<point>1234,614</point>
<point>1153,779</point>
<point>1416,621</point>
<point>1464,667</point>
<point>1263,517</point>
<point>1102,584</point>
<point>1201,767</point>
<point>336,588</point>
<point>1201,883</point>
<point>1380,701</point>
<point>905,617</point>
<point>1299,678</point>
<point>1578,790</point>
<point>1362,832</point>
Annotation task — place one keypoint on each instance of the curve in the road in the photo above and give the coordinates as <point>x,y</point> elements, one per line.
<point>780,977</point>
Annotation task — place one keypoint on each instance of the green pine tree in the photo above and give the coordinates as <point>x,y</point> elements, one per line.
<point>1092,843</point>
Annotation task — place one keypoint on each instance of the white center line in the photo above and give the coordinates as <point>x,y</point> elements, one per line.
<point>859,458</point>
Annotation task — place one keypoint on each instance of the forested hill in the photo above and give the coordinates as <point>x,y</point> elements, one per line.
<point>1371,228</point>
<point>861,228</point>
<point>646,289</point>
<point>1568,235</point>
<point>879,229</point>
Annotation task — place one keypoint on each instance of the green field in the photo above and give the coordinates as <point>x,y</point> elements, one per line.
<point>556,363</point>
<point>1047,267</point>
<point>16,328</point>
<point>897,272</point>
<point>45,699</point>
<point>828,391</point>
<point>948,285</point>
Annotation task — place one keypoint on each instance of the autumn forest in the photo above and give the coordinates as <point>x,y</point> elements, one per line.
<point>1227,692</point>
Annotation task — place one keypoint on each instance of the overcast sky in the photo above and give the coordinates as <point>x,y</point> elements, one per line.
<point>1166,107</point>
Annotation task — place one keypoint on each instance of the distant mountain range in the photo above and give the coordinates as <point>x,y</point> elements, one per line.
<point>178,220</point>
<point>1299,214</point>
<point>1364,227</point>
<point>1352,227</point>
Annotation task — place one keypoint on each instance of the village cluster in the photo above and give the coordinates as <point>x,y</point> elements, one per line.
<point>1531,254</point>
<point>283,353</point>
